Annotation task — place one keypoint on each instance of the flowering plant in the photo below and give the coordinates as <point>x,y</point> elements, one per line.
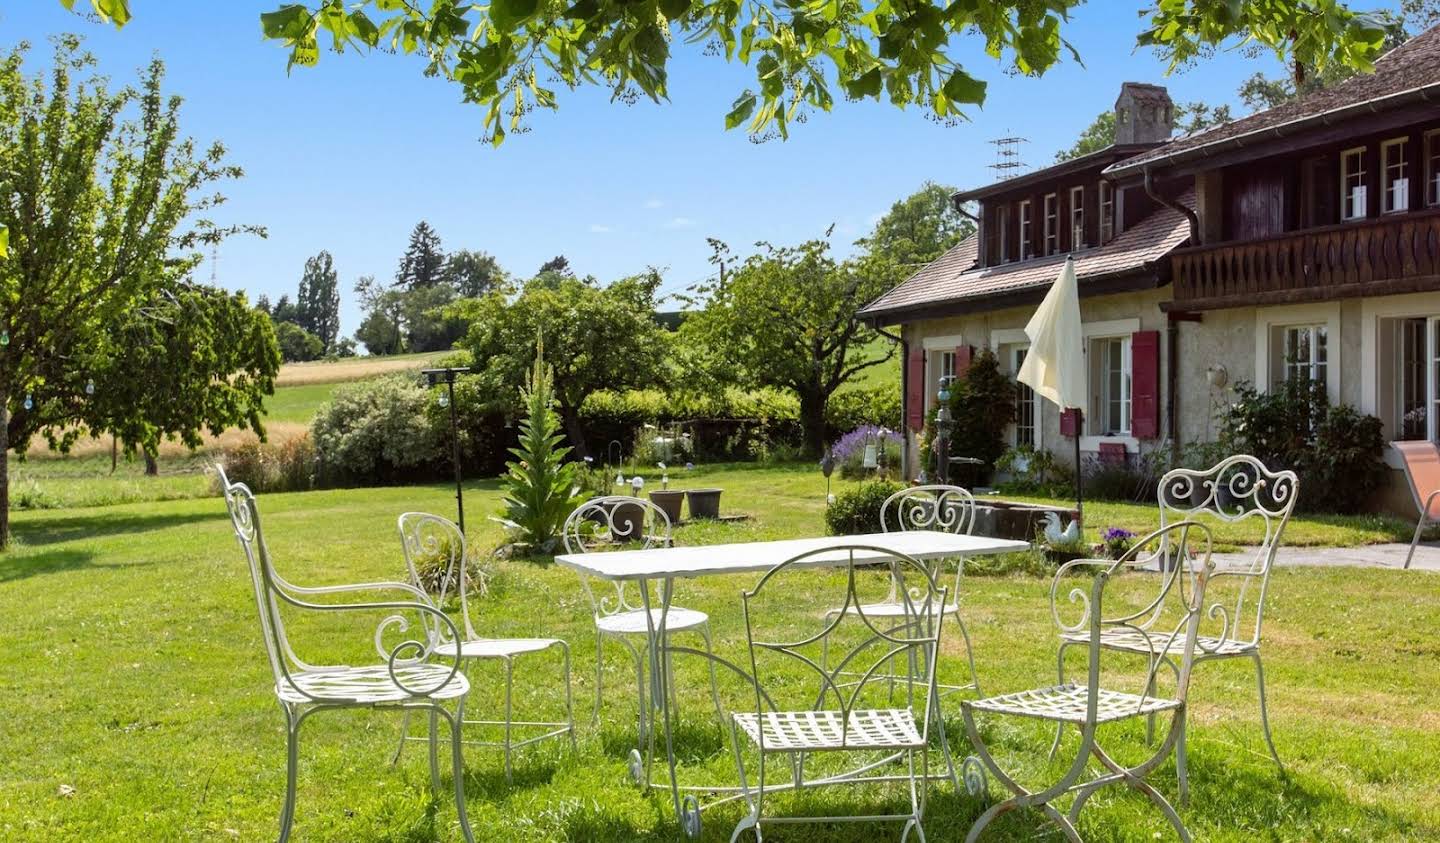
<point>1116,541</point>
<point>849,452</point>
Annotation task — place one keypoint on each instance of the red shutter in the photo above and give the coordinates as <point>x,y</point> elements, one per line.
<point>1145,384</point>
<point>963,356</point>
<point>1069,423</point>
<point>915,390</point>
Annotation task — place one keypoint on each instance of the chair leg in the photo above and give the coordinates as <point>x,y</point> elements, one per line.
<point>509,687</point>
<point>457,761</point>
<point>404,736</point>
<point>292,769</point>
<point>599,674</point>
<point>969,655</point>
<point>1264,711</point>
<point>569,693</point>
<point>714,685</point>
<point>1060,674</point>
<point>434,751</point>
<point>1419,527</point>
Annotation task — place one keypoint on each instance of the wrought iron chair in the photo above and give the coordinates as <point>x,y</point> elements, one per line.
<point>407,676</point>
<point>1422,472</point>
<point>615,521</point>
<point>1091,705</point>
<point>435,555</point>
<point>848,716</point>
<point>1237,488</point>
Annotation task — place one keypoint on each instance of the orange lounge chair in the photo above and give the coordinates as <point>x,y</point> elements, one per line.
<point>1422,469</point>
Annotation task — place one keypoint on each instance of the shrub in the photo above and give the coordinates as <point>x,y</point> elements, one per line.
<point>1119,481</point>
<point>849,452</point>
<point>289,466</point>
<point>433,565</point>
<point>377,431</point>
<point>1033,472</point>
<point>876,406</point>
<point>1336,451</point>
<point>539,484</point>
<point>982,405</point>
<point>857,510</point>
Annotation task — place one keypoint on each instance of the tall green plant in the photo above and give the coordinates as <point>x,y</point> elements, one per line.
<point>539,484</point>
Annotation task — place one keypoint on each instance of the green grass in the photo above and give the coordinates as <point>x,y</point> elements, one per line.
<point>133,672</point>
<point>885,374</point>
<point>297,404</point>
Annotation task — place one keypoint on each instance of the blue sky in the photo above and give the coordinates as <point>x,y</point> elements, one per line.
<point>348,156</point>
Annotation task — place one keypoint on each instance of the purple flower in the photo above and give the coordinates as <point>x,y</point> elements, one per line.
<point>1116,534</point>
<point>853,443</point>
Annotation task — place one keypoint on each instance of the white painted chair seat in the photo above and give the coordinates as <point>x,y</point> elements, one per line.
<point>817,731</point>
<point>497,648</point>
<point>633,622</point>
<point>1136,641</point>
<point>900,610</point>
<point>1068,704</point>
<point>372,685</point>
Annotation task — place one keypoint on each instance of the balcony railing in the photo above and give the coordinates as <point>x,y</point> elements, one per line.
<point>1397,254</point>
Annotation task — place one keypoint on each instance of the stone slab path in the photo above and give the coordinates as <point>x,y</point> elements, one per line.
<point>1427,557</point>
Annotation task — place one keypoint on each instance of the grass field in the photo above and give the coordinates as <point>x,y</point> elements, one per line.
<point>138,701</point>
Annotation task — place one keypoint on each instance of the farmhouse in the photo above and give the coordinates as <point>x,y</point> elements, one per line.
<point>1298,242</point>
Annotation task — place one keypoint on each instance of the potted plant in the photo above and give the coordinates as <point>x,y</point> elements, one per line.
<point>704,503</point>
<point>669,500</point>
<point>1115,542</point>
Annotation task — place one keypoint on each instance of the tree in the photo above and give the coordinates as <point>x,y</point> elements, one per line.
<point>96,190</point>
<point>192,358</point>
<point>379,332</point>
<point>598,337</point>
<point>428,325</point>
<point>473,274</point>
<point>285,310</point>
<point>786,318</point>
<point>558,265</point>
<point>262,304</point>
<point>424,260</point>
<point>919,228</point>
<point>297,345</point>
<point>318,302</point>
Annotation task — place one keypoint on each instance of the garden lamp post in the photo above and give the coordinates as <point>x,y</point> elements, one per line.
<point>827,467</point>
<point>943,423</point>
<point>435,377</point>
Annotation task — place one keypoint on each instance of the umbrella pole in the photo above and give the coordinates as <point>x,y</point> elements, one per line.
<point>1079,473</point>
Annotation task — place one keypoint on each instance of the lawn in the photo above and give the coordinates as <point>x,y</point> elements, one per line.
<point>134,675</point>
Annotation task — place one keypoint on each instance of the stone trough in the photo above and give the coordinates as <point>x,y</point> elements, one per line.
<point>1013,520</point>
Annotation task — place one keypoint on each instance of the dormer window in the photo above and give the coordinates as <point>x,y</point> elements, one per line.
<point>1395,175</point>
<point>1353,199</point>
<point>1027,230</point>
<point>1077,218</point>
<point>1052,224</point>
<point>1004,251</point>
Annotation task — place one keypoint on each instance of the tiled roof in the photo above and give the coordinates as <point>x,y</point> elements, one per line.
<point>953,277</point>
<point>1413,65</point>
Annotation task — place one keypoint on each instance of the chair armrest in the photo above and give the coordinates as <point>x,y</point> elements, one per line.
<point>1130,559</point>
<point>364,586</point>
<point>408,652</point>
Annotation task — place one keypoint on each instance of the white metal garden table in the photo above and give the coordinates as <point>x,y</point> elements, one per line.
<point>662,566</point>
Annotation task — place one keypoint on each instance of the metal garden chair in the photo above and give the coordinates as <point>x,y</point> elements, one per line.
<point>435,555</point>
<point>1092,704</point>
<point>849,716</point>
<point>1236,489</point>
<point>406,677</point>
<point>614,521</point>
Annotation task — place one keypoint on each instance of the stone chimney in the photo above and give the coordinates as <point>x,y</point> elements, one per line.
<point>1143,114</point>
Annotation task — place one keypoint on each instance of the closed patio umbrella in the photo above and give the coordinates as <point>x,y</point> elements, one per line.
<point>1055,364</point>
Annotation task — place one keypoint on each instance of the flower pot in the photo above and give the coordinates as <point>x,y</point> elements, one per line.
<point>670,501</point>
<point>704,503</point>
<point>625,521</point>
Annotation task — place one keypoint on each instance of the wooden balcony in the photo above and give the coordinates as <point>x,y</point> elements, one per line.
<point>1395,254</point>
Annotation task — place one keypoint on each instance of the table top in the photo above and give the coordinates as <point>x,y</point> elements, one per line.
<point>758,557</point>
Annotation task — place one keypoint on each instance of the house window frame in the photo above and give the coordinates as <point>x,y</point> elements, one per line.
<point>1346,205</point>
<point>1102,397</point>
<point>1107,211</point>
<point>1077,218</point>
<point>1003,217</point>
<point>1052,224</point>
<point>1017,359</point>
<point>1026,227</point>
<point>1317,366</point>
<point>1267,319</point>
<point>1430,151</point>
<point>935,348</point>
<point>1386,194</point>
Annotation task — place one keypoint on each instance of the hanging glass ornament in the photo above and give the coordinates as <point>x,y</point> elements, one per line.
<point>444,400</point>
<point>29,401</point>
<point>90,386</point>
<point>4,338</point>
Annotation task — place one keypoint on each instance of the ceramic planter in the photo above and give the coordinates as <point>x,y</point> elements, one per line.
<point>670,502</point>
<point>704,503</point>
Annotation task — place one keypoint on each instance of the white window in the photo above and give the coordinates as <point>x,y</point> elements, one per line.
<point>1027,407</point>
<point>1395,176</point>
<point>942,365</point>
<point>1110,390</point>
<point>1052,224</point>
<point>1304,353</point>
<point>1353,197</point>
<point>1107,212</point>
<point>1027,250</point>
<point>1077,218</point>
<point>1432,167</point>
<point>1409,377</point>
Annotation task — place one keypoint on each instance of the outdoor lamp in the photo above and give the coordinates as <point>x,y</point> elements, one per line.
<point>4,338</point>
<point>637,483</point>
<point>664,476</point>
<point>827,467</point>
<point>446,376</point>
<point>90,386</point>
